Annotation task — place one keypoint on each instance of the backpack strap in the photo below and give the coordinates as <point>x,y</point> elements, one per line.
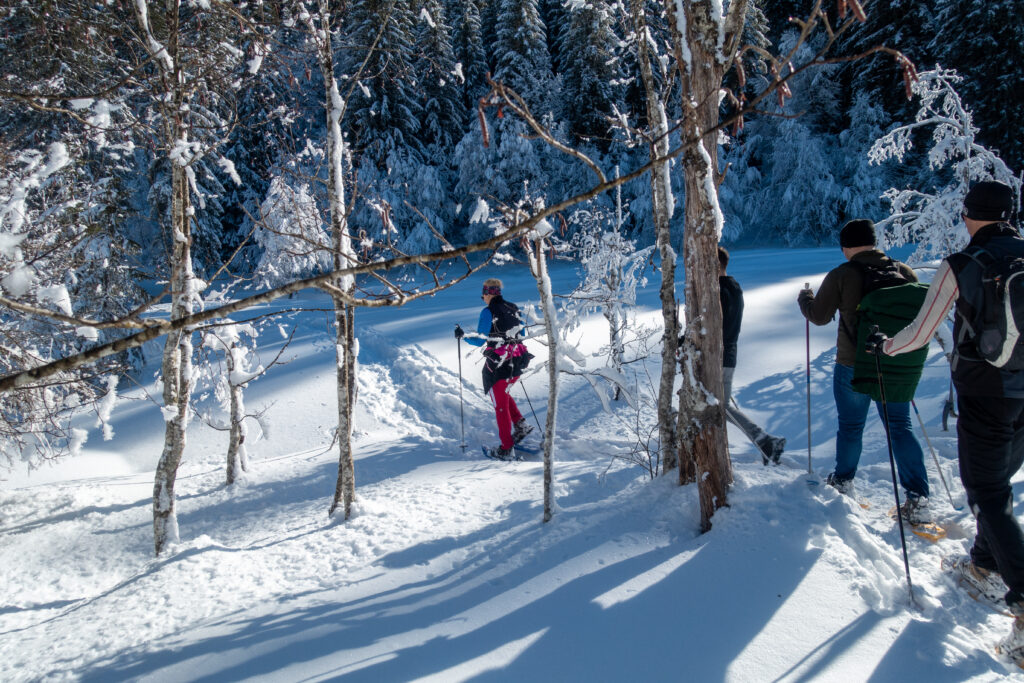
<point>888,265</point>
<point>968,331</point>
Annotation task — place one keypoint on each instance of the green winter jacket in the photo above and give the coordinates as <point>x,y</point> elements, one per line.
<point>892,309</point>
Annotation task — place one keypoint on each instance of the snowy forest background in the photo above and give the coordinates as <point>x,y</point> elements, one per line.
<point>185,150</point>
<point>413,133</point>
<point>196,196</point>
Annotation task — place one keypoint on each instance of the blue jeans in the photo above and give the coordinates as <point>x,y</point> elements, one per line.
<point>852,407</point>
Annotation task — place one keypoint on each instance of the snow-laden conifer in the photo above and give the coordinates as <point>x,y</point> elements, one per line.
<point>522,59</point>
<point>384,113</point>
<point>468,50</point>
<point>589,69</point>
<point>439,83</point>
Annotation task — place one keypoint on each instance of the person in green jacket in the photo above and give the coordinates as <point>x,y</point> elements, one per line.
<point>841,291</point>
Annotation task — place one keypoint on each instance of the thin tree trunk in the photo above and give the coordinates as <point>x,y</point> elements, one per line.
<point>176,368</point>
<point>236,436</point>
<point>345,486</point>
<point>613,316</point>
<point>344,314</point>
<point>539,269</point>
<point>661,205</point>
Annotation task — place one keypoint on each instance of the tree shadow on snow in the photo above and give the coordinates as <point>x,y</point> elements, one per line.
<point>549,602</point>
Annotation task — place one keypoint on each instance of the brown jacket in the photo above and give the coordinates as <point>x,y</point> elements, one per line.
<point>841,291</point>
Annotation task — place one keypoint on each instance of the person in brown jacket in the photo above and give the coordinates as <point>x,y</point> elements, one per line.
<point>841,291</point>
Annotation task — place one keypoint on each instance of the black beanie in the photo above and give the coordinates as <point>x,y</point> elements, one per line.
<point>859,232</point>
<point>989,201</point>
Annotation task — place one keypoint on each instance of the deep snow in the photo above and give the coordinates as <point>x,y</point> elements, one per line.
<point>446,572</point>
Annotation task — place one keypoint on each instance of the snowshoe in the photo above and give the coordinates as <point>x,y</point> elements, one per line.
<point>983,585</point>
<point>846,488</point>
<point>915,513</point>
<point>1012,646</point>
<point>499,453</point>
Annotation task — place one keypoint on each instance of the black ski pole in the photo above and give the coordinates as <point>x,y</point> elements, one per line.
<point>531,407</point>
<point>807,328</point>
<point>948,408</point>
<point>934,457</point>
<point>462,415</point>
<point>892,467</point>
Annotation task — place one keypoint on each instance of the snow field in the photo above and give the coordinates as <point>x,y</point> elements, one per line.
<point>445,571</point>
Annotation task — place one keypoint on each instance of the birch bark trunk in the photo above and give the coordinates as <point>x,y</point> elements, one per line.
<point>539,269</point>
<point>661,206</point>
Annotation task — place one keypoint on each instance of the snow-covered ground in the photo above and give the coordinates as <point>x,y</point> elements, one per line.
<point>445,571</point>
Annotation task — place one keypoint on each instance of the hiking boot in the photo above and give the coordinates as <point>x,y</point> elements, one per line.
<point>1012,646</point>
<point>982,583</point>
<point>844,486</point>
<point>771,448</point>
<point>914,510</point>
<point>520,430</point>
<point>499,453</point>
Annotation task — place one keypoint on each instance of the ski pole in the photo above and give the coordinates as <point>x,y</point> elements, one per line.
<point>807,327</point>
<point>934,456</point>
<point>462,414</point>
<point>948,409</point>
<point>892,467</point>
<point>531,407</point>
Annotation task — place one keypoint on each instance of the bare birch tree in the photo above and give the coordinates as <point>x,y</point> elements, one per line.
<point>662,208</point>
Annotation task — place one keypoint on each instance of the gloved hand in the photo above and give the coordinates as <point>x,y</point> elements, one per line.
<point>805,295</point>
<point>875,341</point>
<point>459,334</point>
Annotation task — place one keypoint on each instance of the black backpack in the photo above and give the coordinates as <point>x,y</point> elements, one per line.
<point>996,328</point>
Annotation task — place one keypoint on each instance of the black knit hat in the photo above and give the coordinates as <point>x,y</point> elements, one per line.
<point>859,232</point>
<point>989,201</point>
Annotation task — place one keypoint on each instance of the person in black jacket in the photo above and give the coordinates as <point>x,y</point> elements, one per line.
<point>499,331</point>
<point>731,294</point>
<point>990,428</point>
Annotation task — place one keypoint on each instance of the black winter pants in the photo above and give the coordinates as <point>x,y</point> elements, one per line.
<point>990,434</point>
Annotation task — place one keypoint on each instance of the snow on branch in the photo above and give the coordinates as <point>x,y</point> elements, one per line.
<point>930,217</point>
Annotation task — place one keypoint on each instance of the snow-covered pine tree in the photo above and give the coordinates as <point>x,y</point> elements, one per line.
<point>384,111</point>
<point>554,15</point>
<point>589,69</point>
<point>468,50</point>
<point>984,41</point>
<point>907,25</point>
<point>522,60</point>
<point>861,186</point>
<point>439,88</point>
<point>489,10</point>
<point>781,161</point>
<point>930,217</point>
